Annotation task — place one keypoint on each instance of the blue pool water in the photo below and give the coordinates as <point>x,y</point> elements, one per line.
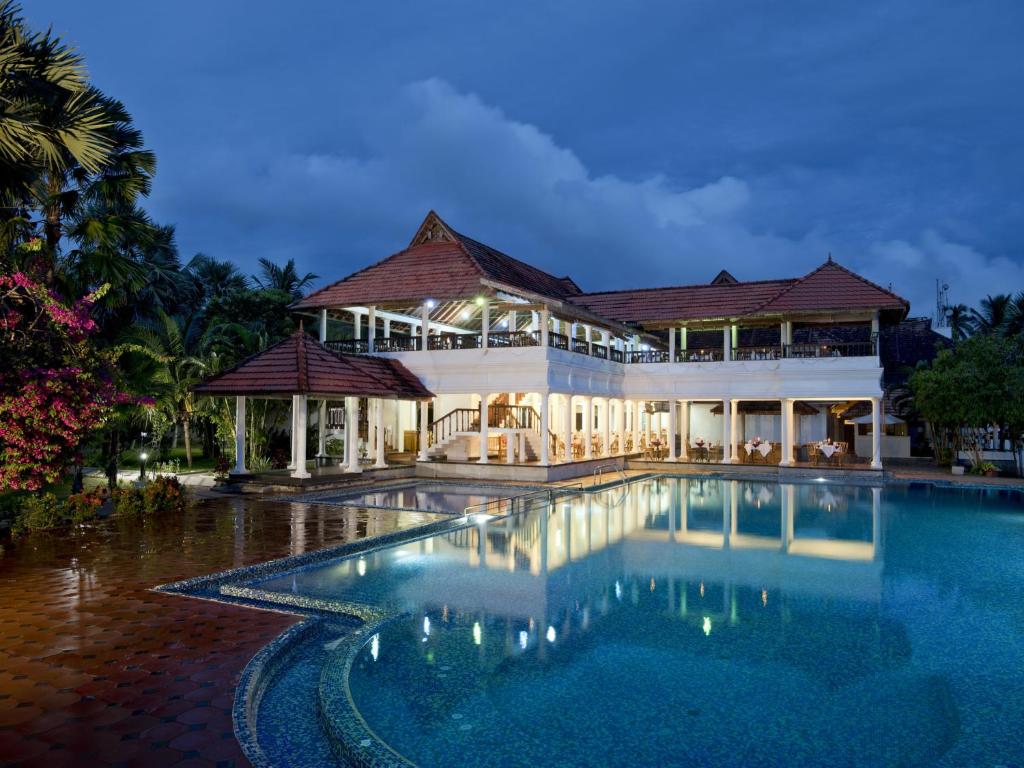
<point>686,622</point>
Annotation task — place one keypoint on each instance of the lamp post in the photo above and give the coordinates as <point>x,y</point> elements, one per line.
<point>142,465</point>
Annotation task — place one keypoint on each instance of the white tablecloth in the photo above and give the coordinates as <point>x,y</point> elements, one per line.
<point>828,449</point>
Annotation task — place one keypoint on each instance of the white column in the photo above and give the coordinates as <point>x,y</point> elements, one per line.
<point>371,426</point>
<point>874,324</point>
<point>606,428</point>
<point>727,343</point>
<point>240,436</point>
<point>545,438</point>
<point>588,427</point>
<point>636,426</point>
<point>672,427</point>
<point>387,327</point>
<point>671,345</point>
<point>357,325</point>
<point>485,323</point>
<point>876,433</point>
<point>727,431</point>
<point>483,428</point>
<point>323,325</point>
<point>295,430</point>
<point>620,425</point>
<point>379,424</point>
<point>734,423</point>
<point>567,427</point>
<point>424,415</point>
<point>424,326</point>
<point>352,434</point>
<point>788,429</point>
<point>371,328</point>
<point>544,327</point>
<point>684,431</point>
<point>321,429</point>
<point>300,441</point>
<point>682,338</point>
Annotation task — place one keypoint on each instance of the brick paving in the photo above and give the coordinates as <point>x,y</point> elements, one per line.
<point>97,669</point>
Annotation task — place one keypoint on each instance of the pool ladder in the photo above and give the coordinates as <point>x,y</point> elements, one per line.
<point>624,482</point>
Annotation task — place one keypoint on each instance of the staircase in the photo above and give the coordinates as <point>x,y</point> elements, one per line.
<point>456,435</point>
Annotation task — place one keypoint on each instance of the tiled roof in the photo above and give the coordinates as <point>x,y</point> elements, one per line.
<point>300,365</point>
<point>440,264</point>
<point>828,288</point>
<point>685,302</point>
<point>833,287</point>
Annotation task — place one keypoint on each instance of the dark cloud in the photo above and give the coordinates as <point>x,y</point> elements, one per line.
<point>624,144</point>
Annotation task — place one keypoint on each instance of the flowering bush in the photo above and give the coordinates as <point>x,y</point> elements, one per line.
<point>39,513</point>
<point>80,507</point>
<point>162,495</point>
<point>55,387</point>
<point>128,502</point>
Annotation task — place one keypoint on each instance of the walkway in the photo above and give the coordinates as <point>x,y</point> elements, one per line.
<point>97,669</point>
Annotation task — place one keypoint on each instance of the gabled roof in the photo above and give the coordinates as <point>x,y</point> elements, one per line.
<point>439,263</point>
<point>833,287</point>
<point>300,365</point>
<point>829,288</point>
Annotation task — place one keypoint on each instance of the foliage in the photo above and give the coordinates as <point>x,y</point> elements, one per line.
<point>980,382</point>
<point>39,512</point>
<point>334,446</point>
<point>162,495</point>
<point>285,279</point>
<point>56,388</point>
<point>84,506</point>
<point>983,468</point>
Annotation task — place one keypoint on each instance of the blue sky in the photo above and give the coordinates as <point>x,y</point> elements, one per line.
<point>623,143</point>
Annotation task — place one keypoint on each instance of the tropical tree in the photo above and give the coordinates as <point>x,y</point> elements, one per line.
<point>274,277</point>
<point>961,322</point>
<point>993,315</point>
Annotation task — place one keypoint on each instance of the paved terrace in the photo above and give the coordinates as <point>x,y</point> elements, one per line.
<point>97,669</point>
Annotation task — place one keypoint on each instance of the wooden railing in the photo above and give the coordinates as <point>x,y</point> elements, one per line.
<point>705,355</point>
<point>647,356</point>
<point>615,355</point>
<point>839,349</point>
<point>513,339</point>
<point>396,343</point>
<point>454,341</point>
<point>558,341</point>
<point>580,346</point>
<point>348,346</point>
<point>459,420</point>
<point>599,350</point>
<point>757,353</point>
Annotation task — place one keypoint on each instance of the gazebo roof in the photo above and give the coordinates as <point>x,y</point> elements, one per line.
<point>300,365</point>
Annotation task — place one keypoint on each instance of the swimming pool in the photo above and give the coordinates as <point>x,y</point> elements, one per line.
<point>449,498</point>
<point>684,622</point>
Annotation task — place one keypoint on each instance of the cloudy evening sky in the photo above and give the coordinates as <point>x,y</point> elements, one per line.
<point>622,143</point>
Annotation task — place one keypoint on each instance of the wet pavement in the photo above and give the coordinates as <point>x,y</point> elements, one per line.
<point>98,669</point>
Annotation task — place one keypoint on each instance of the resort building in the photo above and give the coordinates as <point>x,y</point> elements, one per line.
<point>516,366</point>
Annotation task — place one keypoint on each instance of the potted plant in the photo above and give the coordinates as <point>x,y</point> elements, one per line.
<point>986,468</point>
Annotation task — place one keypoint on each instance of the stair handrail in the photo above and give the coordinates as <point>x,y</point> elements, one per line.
<point>624,481</point>
<point>456,420</point>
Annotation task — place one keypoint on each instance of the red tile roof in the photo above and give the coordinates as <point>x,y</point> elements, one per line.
<point>829,288</point>
<point>685,302</point>
<point>440,264</point>
<point>300,365</point>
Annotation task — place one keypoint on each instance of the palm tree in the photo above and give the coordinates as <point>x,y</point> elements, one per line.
<point>1015,320</point>
<point>993,315</point>
<point>180,368</point>
<point>961,323</point>
<point>286,278</point>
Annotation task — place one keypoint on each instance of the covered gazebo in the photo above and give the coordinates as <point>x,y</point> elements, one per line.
<point>301,368</point>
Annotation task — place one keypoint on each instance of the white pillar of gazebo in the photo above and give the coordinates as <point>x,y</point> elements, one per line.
<point>352,434</point>
<point>294,431</point>
<point>425,325</point>
<point>357,325</point>
<point>545,438</point>
<point>381,462</point>
<point>485,323</point>
<point>672,344</point>
<point>300,471</point>
<point>684,430</point>
<point>876,433</point>
<point>240,435</point>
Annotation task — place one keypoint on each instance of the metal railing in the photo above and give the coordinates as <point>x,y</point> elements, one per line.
<point>838,349</point>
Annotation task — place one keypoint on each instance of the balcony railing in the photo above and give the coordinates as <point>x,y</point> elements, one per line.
<point>757,353</point>
<point>497,339</point>
<point>396,343</point>
<point>706,355</point>
<point>839,349</point>
<point>454,341</point>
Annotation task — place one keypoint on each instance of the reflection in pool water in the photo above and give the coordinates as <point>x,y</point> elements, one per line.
<point>698,622</point>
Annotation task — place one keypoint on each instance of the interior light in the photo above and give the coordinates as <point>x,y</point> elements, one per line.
<point>551,634</point>
<point>430,304</point>
<point>478,635</point>
<point>465,314</point>
<point>479,301</point>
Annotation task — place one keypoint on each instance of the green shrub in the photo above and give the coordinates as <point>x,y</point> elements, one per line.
<point>38,513</point>
<point>163,495</point>
<point>80,507</point>
<point>128,502</point>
